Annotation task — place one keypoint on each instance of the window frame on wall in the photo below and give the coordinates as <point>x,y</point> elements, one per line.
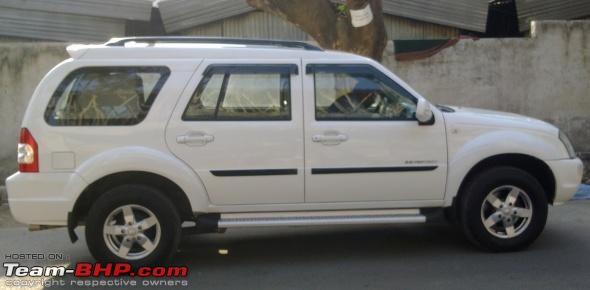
<point>285,71</point>
<point>70,80</point>
<point>313,68</point>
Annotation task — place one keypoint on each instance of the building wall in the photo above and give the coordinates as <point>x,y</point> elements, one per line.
<point>545,76</point>
<point>22,65</point>
<point>263,25</point>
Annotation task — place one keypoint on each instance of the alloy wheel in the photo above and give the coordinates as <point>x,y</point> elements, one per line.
<point>132,232</point>
<point>506,211</point>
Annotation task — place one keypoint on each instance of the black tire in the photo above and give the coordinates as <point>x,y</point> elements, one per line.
<point>471,212</point>
<point>169,224</point>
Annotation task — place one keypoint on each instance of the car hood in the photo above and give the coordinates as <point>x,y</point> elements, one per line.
<point>490,118</point>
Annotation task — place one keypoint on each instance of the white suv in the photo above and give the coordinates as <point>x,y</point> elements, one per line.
<point>139,137</point>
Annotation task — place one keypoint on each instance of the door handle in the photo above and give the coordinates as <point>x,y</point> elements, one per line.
<point>195,139</point>
<point>330,138</point>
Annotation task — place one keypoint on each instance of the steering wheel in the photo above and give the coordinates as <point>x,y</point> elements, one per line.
<point>359,105</point>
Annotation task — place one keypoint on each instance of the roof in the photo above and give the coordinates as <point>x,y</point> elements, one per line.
<point>170,49</point>
<point>467,14</point>
<point>118,9</point>
<point>70,20</point>
<point>529,10</point>
<point>97,20</point>
<point>150,40</point>
<point>182,14</point>
<point>57,26</point>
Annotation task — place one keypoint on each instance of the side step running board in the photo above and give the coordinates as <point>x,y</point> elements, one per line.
<point>234,220</point>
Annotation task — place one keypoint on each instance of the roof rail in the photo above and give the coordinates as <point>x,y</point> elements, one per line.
<point>216,40</point>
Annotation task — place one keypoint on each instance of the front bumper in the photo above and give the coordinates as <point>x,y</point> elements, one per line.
<point>568,175</point>
<point>43,198</point>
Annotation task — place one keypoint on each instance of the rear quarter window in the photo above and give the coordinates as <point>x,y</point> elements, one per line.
<point>105,96</point>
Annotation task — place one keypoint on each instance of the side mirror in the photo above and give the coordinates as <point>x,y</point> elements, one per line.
<point>424,112</point>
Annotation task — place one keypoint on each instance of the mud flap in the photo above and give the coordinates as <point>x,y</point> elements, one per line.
<point>72,224</point>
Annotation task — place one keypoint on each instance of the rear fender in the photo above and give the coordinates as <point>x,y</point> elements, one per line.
<point>147,160</point>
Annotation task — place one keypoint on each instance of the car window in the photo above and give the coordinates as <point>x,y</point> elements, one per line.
<point>354,92</point>
<point>100,96</point>
<point>257,93</point>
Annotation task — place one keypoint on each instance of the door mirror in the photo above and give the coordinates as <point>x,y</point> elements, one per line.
<point>424,112</point>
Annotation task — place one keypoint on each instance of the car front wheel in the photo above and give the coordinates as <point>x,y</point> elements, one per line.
<point>503,209</point>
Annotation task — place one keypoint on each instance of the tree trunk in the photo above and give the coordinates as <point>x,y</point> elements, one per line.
<point>331,27</point>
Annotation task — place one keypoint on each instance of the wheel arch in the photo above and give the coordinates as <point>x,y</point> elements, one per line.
<point>149,161</point>
<point>534,166</point>
<point>94,190</point>
<point>138,165</point>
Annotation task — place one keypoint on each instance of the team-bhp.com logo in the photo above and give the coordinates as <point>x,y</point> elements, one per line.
<point>93,270</point>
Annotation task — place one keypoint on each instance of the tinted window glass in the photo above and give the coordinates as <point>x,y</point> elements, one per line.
<point>239,94</point>
<point>360,93</point>
<point>100,96</point>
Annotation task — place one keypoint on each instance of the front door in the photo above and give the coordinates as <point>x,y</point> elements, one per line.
<point>363,142</point>
<point>239,126</point>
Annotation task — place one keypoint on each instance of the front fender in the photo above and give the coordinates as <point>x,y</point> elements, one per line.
<point>148,160</point>
<point>464,155</point>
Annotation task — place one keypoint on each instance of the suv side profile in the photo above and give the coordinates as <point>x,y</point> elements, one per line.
<point>137,136</point>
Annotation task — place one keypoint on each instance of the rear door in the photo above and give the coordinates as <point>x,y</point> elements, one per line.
<point>239,126</point>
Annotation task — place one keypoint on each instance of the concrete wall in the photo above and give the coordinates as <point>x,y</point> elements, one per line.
<point>22,65</point>
<point>545,76</point>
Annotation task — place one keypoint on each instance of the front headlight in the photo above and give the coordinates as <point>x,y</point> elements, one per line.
<point>568,144</point>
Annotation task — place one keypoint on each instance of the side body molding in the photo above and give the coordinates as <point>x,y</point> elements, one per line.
<point>463,156</point>
<point>149,160</point>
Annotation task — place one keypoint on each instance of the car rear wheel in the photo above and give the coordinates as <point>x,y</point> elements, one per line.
<point>503,209</point>
<point>134,224</point>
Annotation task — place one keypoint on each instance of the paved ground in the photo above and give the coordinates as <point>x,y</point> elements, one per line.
<point>359,257</point>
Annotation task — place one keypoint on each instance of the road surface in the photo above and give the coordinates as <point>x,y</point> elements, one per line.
<point>433,256</point>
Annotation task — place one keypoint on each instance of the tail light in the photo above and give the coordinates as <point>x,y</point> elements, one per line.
<point>28,152</point>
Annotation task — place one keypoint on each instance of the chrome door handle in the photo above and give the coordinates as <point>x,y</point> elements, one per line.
<point>330,139</point>
<point>195,139</point>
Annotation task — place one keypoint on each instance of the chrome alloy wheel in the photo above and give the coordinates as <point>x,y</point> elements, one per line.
<point>132,232</point>
<point>506,211</point>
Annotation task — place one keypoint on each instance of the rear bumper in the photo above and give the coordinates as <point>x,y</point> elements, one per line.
<point>568,175</point>
<point>43,198</point>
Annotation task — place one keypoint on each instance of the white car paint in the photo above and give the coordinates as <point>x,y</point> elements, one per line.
<point>375,144</point>
<point>455,143</point>
<point>474,135</point>
<point>239,145</point>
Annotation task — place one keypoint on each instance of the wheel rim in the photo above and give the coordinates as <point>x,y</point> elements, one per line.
<point>506,211</point>
<point>132,232</point>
